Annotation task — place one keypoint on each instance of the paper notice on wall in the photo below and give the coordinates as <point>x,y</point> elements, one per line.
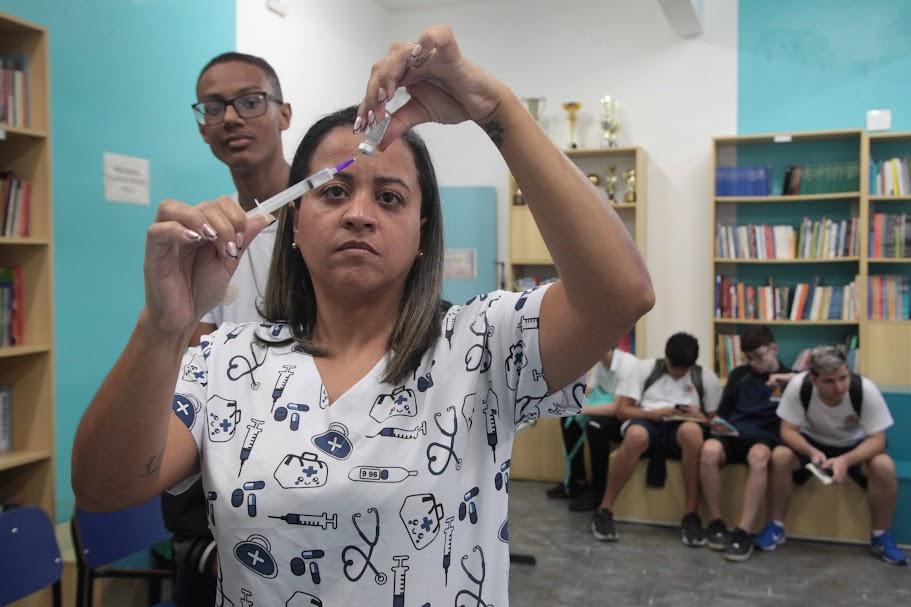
<point>126,179</point>
<point>460,264</point>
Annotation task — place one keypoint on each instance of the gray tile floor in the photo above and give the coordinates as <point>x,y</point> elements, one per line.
<point>650,566</point>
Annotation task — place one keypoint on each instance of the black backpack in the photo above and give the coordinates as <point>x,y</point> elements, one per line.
<point>856,392</point>
<point>695,376</point>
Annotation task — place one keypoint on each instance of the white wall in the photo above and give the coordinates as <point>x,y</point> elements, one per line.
<point>675,94</point>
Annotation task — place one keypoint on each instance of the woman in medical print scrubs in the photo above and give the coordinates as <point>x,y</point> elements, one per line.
<point>356,449</point>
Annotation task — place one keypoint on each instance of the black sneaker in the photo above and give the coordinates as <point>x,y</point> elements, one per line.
<point>560,492</point>
<point>603,526</point>
<point>691,528</point>
<point>586,502</point>
<point>717,535</point>
<point>740,547</point>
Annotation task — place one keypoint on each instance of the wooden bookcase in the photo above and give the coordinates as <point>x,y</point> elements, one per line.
<point>538,451</point>
<point>27,471</point>
<point>884,346</point>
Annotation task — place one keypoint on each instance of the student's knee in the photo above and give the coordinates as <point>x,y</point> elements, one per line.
<point>712,454</point>
<point>881,468</point>
<point>783,458</point>
<point>758,456</point>
<point>689,435</point>
<point>636,439</point>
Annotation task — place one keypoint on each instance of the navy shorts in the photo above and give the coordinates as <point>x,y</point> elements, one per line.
<point>664,433</point>
<point>855,472</point>
<point>737,448</point>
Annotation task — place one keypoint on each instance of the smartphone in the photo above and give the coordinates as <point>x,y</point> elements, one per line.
<point>682,408</point>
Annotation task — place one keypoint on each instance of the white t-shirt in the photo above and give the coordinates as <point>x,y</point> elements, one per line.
<point>412,478</point>
<point>667,391</point>
<point>248,285</point>
<point>621,365</point>
<point>835,426</point>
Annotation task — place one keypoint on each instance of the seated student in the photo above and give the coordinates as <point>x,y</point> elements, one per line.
<point>748,403</point>
<point>599,420</point>
<point>837,420</point>
<point>673,386</point>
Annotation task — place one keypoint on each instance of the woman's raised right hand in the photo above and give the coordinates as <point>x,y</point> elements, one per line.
<point>191,255</point>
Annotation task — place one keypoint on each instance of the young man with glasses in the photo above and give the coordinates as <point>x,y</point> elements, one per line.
<point>748,403</point>
<point>836,420</point>
<point>241,114</point>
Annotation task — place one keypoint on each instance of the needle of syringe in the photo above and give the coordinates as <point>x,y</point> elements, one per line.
<point>298,189</point>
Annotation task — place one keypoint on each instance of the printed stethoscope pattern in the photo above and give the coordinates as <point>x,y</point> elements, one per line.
<point>348,553</point>
<point>479,580</point>
<point>252,364</point>
<point>434,448</point>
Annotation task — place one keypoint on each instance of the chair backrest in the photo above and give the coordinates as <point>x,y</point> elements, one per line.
<point>104,537</point>
<point>29,554</point>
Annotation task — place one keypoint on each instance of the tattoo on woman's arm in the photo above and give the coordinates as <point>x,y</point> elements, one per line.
<point>494,130</point>
<point>152,465</point>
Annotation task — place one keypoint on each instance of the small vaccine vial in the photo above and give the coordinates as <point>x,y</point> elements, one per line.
<point>373,135</point>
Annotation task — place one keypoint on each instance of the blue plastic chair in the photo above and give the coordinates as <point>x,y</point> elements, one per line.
<point>101,538</point>
<point>29,556</point>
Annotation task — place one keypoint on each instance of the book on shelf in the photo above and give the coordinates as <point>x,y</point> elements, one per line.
<point>15,196</point>
<point>849,348</point>
<point>743,181</point>
<point>890,236</point>
<point>12,314</point>
<point>821,239</point>
<point>824,178</point>
<point>13,90</point>
<point>888,297</point>
<point>810,301</point>
<point>890,177</point>
<point>729,353</point>
<point>6,423</point>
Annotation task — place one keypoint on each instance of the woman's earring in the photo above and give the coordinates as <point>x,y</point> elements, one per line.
<point>293,245</point>
<point>420,253</point>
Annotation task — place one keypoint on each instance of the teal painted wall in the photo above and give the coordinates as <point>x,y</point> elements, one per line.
<point>122,80</point>
<point>821,64</point>
<point>470,222</point>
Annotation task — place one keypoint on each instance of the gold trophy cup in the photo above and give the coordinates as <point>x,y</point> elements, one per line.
<point>630,177</point>
<point>572,108</point>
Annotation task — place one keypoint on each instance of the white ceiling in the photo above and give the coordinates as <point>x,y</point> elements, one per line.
<point>397,6</point>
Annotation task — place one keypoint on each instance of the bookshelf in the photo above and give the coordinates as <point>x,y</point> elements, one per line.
<point>887,359</point>
<point>538,451</point>
<point>27,368</point>
<point>842,165</point>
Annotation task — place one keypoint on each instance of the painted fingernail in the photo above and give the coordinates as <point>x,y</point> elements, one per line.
<point>416,50</point>
<point>381,96</point>
<point>239,239</point>
<point>357,124</point>
<point>231,249</point>
<point>192,236</point>
<point>371,117</point>
<point>209,231</point>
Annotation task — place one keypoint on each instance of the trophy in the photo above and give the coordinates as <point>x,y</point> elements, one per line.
<point>630,177</point>
<point>610,122</point>
<point>535,106</point>
<point>610,183</point>
<point>572,108</point>
<point>595,179</point>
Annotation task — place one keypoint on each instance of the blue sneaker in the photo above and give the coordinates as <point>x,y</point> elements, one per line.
<point>885,547</point>
<point>771,537</point>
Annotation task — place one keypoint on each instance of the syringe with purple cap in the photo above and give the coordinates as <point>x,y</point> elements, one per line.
<point>298,189</point>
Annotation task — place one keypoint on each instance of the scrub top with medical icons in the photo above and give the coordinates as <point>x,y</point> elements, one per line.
<point>394,494</point>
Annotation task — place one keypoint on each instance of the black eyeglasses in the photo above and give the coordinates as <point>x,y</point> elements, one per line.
<point>248,105</point>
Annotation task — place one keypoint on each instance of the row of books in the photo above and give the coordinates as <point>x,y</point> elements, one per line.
<point>821,178</point>
<point>849,347</point>
<point>743,181</point>
<point>12,313</point>
<point>728,353</point>
<point>13,90</point>
<point>890,177</point>
<point>15,197</point>
<point>628,342</point>
<point>888,297</point>
<point>805,301</point>
<point>890,236</point>
<point>6,424</point>
<point>822,239</point>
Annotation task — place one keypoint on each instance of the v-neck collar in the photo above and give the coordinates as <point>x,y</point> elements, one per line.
<point>355,387</point>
